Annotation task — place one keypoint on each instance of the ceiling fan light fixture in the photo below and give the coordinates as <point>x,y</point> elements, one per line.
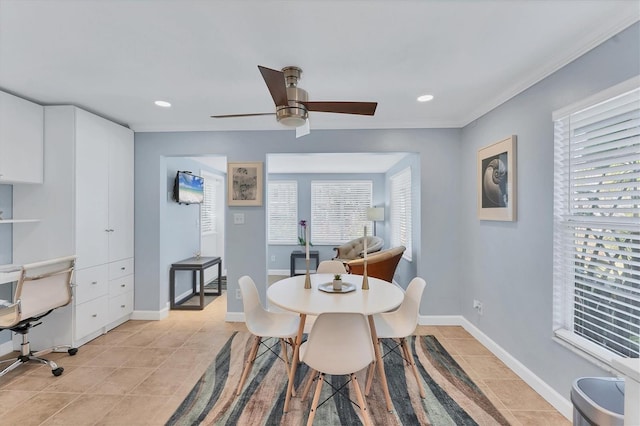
<point>425,98</point>
<point>292,116</point>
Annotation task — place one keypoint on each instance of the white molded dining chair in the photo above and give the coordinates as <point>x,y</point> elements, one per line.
<point>400,324</point>
<point>339,344</point>
<point>262,323</point>
<point>331,267</point>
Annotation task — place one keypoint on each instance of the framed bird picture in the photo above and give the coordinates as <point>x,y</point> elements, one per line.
<point>497,181</point>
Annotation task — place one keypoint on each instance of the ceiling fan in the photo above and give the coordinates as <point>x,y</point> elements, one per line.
<point>292,104</point>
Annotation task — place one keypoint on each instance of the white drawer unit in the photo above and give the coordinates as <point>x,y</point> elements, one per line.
<point>91,316</point>
<point>120,268</point>
<point>91,283</point>
<point>120,286</point>
<point>120,291</point>
<point>120,306</point>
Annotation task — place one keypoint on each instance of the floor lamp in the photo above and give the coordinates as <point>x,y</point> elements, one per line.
<point>375,214</point>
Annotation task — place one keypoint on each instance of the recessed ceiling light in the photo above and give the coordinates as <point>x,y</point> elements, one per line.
<point>425,98</point>
<point>163,104</point>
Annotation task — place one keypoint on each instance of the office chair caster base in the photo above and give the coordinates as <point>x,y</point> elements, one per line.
<point>72,351</point>
<point>57,371</point>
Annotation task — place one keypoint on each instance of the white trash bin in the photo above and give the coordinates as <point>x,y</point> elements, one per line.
<point>598,401</point>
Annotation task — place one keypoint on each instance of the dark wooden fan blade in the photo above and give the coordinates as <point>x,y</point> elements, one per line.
<point>360,108</point>
<point>242,115</point>
<point>275,84</point>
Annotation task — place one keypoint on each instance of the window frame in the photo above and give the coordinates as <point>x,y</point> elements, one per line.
<point>571,216</point>
<point>212,187</point>
<point>293,226</point>
<point>350,229</point>
<point>403,180</point>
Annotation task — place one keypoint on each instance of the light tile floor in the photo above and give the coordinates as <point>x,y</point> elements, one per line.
<point>138,373</point>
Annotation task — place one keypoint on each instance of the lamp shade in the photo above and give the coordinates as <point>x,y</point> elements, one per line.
<point>375,214</point>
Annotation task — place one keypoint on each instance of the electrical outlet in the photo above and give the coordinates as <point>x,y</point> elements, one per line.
<point>273,257</point>
<point>477,305</point>
<point>238,294</point>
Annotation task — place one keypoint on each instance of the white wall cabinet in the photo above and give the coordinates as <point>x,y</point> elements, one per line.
<point>86,208</point>
<point>21,140</point>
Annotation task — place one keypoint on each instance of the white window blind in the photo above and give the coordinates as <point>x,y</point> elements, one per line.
<point>400,215</point>
<point>282,211</point>
<point>339,210</point>
<point>208,208</point>
<point>597,224</point>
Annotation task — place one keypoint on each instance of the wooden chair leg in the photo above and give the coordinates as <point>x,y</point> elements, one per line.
<point>307,387</point>
<point>316,397</point>
<point>371,371</point>
<point>285,357</point>
<point>411,361</point>
<point>249,362</point>
<point>361,401</point>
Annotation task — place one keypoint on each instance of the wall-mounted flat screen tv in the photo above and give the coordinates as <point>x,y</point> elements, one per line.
<point>188,188</point>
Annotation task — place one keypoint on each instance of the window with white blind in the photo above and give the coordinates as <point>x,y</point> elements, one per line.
<point>208,208</point>
<point>282,212</point>
<point>596,255</point>
<point>339,210</point>
<point>400,214</point>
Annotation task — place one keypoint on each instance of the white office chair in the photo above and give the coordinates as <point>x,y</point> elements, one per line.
<point>42,287</point>
<point>331,267</point>
<point>262,323</point>
<point>400,324</point>
<point>338,344</point>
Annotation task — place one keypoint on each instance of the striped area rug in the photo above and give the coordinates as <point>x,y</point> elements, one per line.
<point>452,397</point>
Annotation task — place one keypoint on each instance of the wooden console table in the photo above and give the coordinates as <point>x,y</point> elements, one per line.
<point>314,256</point>
<point>193,264</point>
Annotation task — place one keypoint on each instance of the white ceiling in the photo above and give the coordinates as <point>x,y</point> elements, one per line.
<point>115,57</point>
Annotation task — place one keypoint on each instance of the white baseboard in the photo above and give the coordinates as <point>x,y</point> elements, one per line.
<point>560,403</point>
<point>441,320</point>
<point>234,317</point>
<point>151,315</point>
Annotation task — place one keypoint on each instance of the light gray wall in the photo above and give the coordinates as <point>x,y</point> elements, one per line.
<point>181,225</point>
<point>246,248</point>
<point>508,265</point>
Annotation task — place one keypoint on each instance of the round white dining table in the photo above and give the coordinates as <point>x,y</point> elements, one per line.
<point>290,294</point>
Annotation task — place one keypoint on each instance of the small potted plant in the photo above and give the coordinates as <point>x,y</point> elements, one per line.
<point>337,282</point>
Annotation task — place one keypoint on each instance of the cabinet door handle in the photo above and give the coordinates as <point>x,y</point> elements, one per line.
<point>94,315</point>
<point>123,306</point>
<point>123,268</point>
<point>94,282</point>
<point>123,285</point>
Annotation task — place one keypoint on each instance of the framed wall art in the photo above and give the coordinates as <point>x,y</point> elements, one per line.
<point>244,184</point>
<point>497,181</point>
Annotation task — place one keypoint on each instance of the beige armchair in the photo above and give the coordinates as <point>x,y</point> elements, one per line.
<point>354,249</point>
<point>381,265</point>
